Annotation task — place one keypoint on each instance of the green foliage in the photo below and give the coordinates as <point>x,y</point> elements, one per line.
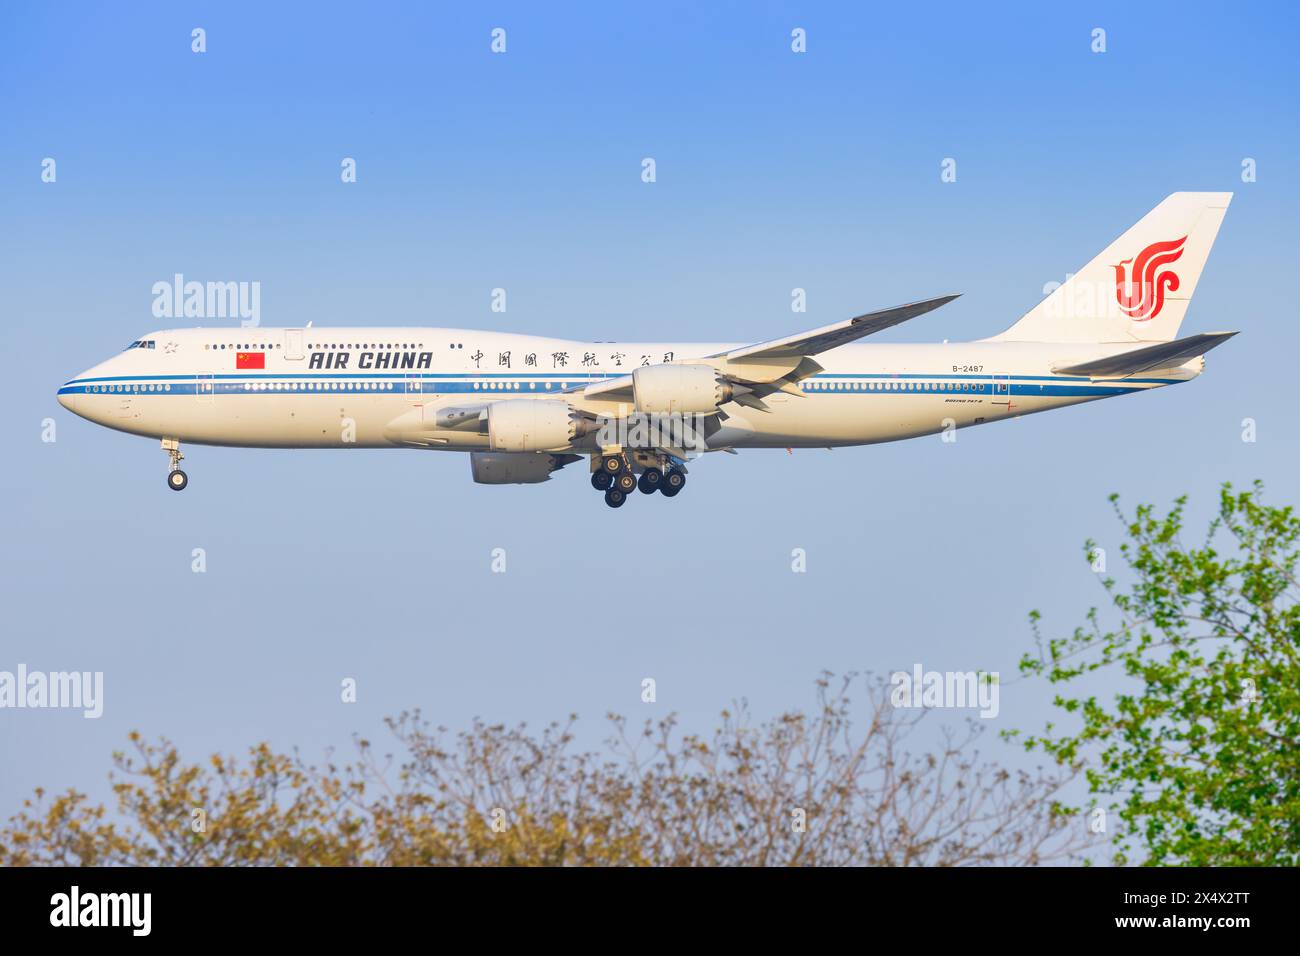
<point>1200,758</point>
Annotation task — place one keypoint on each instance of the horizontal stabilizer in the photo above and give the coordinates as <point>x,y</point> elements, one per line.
<point>1163,355</point>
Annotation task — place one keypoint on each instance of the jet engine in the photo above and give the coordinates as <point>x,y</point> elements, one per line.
<point>521,425</point>
<point>684,389</point>
<point>511,468</point>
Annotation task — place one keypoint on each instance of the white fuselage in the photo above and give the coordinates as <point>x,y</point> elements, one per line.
<point>188,385</point>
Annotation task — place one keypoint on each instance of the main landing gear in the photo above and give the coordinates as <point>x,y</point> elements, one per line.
<point>614,476</point>
<point>177,480</point>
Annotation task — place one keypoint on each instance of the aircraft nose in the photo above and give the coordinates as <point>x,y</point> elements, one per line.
<point>68,399</point>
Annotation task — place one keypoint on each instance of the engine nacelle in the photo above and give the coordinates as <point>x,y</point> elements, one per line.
<point>523,424</point>
<point>685,389</point>
<point>511,468</point>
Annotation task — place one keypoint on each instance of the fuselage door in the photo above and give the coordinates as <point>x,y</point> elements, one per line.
<point>293,344</point>
<point>205,386</point>
<point>1001,397</point>
<point>413,384</point>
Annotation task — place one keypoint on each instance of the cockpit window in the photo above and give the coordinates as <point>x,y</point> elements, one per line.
<point>140,344</point>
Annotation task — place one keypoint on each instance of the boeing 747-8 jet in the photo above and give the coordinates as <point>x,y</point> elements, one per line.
<point>525,406</point>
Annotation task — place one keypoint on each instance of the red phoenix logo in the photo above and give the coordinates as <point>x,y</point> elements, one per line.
<point>1141,293</point>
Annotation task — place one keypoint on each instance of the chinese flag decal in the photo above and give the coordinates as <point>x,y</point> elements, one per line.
<point>250,360</point>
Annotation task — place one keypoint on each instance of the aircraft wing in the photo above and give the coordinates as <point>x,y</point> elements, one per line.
<point>840,333</point>
<point>1161,355</point>
<point>777,364</point>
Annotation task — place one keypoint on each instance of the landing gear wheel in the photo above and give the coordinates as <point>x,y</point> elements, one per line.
<point>612,464</point>
<point>601,480</point>
<point>650,481</point>
<point>626,482</point>
<point>176,479</point>
<point>673,482</point>
<point>615,498</point>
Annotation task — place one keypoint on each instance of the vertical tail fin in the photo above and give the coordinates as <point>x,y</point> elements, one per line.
<point>1139,288</point>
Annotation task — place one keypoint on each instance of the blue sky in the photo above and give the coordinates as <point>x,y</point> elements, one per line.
<point>522,171</point>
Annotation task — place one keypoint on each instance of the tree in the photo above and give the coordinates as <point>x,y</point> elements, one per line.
<point>797,790</point>
<point>1200,757</point>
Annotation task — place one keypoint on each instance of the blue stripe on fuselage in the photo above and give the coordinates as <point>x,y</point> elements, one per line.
<point>436,383</point>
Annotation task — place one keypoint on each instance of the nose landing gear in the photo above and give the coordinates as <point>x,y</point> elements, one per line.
<point>177,480</point>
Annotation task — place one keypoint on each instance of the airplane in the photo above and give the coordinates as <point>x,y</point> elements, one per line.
<point>524,407</point>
